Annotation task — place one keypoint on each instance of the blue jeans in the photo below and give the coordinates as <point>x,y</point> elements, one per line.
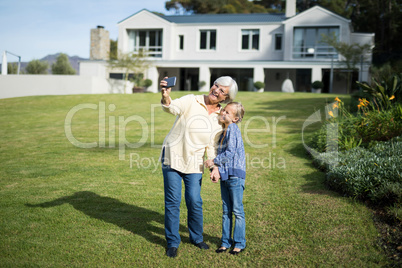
<point>172,185</point>
<point>232,202</point>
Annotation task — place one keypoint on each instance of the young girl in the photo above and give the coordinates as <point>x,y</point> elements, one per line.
<point>231,162</point>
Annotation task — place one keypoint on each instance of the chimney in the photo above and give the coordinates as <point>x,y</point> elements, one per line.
<point>290,8</point>
<point>100,44</point>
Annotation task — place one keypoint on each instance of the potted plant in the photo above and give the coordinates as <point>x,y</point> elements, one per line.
<point>201,84</point>
<point>147,83</point>
<point>140,84</point>
<point>317,86</point>
<point>259,86</point>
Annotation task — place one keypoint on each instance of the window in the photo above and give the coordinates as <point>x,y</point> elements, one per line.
<point>250,39</point>
<point>278,41</point>
<point>181,42</point>
<point>208,39</point>
<point>307,42</point>
<point>146,40</point>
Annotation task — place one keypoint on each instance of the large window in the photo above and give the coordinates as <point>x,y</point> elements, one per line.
<point>208,39</point>
<point>307,42</point>
<point>149,41</point>
<point>250,39</point>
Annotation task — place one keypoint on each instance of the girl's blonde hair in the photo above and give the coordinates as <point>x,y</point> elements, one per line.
<point>239,110</point>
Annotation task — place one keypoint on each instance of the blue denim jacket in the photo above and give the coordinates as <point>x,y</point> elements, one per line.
<point>231,157</point>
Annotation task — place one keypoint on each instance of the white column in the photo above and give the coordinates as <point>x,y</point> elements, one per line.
<point>4,64</point>
<point>365,73</point>
<point>205,75</point>
<point>316,74</point>
<point>259,75</point>
<point>152,73</point>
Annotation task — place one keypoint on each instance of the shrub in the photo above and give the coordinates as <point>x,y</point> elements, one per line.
<point>373,174</point>
<point>317,84</point>
<point>62,65</point>
<point>37,67</point>
<point>380,125</point>
<point>259,85</point>
<point>147,82</point>
<point>360,129</point>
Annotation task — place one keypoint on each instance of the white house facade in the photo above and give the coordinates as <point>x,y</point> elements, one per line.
<point>269,48</point>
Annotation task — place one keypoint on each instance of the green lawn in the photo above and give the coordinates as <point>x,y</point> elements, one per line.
<point>64,205</point>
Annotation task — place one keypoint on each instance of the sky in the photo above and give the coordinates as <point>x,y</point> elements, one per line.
<point>34,29</point>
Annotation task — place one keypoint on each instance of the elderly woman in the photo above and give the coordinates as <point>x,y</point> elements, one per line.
<point>193,135</point>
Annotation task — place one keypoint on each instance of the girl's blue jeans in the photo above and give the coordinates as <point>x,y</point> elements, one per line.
<point>232,203</point>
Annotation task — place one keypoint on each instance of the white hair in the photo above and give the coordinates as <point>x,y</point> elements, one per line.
<point>228,81</point>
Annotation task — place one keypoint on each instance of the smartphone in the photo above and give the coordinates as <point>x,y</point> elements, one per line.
<point>171,81</point>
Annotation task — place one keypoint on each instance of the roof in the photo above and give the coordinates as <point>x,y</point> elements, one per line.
<point>226,18</point>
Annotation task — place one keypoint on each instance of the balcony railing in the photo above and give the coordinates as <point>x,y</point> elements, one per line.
<point>314,52</point>
<point>151,51</point>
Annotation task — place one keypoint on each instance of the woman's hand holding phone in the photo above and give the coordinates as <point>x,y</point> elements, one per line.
<point>165,92</point>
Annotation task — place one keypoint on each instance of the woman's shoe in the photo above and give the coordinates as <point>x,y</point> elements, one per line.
<point>236,252</point>
<point>221,249</point>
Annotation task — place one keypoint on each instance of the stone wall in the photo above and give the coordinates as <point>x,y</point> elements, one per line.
<point>100,44</point>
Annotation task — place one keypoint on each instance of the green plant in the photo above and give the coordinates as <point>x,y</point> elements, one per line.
<point>317,84</point>
<point>62,65</point>
<point>380,125</point>
<point>259,85</point>
<point>364,127</point>
<point>37,67</point>
<point>372,174</point>
<point>147,82</point>
<point>201,84</point>
<point>384,92</point>
<point>12,68</point>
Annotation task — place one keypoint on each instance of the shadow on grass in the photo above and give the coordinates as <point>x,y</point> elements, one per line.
<point>137,220</point>
<point>315,181</point>
<point>292,108</point>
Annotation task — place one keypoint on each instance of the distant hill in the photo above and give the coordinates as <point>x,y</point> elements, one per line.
<point>74,61</point>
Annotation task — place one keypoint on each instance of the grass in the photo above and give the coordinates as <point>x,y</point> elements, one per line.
<point>62,205</point>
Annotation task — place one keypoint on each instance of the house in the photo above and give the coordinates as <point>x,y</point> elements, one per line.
<point>249,47</point>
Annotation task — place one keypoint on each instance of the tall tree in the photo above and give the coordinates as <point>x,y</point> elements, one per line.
<point>272,6</point>
<point>384,18</point>
<point>62,65</point>
<point>37,67</point>
<point>113,49</point>
<point>12,68</point>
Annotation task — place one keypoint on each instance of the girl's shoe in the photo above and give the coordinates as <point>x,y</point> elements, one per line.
<point>221,249</point>
<point>236,252</point>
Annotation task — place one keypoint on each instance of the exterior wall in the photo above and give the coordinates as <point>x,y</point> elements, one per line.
<point>314,17</point>
<point>229,55</point>
<point>34,85</point>
<point>362,39</point>
<point>144,20</point>
<point>94,68</point>
<point>228,43</point>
